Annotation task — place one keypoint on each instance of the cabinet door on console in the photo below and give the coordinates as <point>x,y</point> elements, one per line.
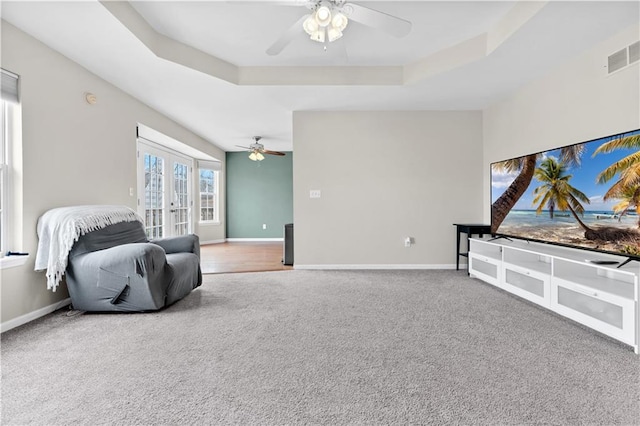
<point>485,261</point>
<point>600,298</point>
<point>531,285</point>
<point>528,275</point>
<point>485,268</point>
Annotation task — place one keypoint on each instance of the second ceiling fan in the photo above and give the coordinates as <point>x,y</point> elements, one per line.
<point>328,18</point>
<point>256,150</point>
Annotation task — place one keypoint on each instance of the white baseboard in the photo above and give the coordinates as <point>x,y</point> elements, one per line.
<point>376,266</point>
<point>204,243</point>
<point>239,240</point>
<point>23,319</point>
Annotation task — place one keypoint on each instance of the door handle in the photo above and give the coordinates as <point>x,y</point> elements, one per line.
<point>584,291</point>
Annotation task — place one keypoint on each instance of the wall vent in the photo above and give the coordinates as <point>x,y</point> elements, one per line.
<point>624,57</point>
<point>634,52</point>
<point>618,60</point>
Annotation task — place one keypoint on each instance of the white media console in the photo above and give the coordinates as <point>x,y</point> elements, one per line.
<point>565,280</point>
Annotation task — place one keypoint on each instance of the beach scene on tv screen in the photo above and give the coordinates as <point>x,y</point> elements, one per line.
<point>586,195</point>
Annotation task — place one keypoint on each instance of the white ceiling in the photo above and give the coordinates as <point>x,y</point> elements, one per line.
<point>441,24</point>
<point>239,32</point>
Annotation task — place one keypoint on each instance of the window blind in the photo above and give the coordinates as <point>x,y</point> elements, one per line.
<point>210,165</point>
<point>9,86</point>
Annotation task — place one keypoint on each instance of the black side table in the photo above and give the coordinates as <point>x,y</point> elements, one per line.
<point>469,229</point>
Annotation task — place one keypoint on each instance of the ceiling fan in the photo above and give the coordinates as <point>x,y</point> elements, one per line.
<point>256,150</point>
<point>329,18</point>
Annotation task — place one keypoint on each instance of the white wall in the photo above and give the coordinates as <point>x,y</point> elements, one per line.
<point>73,153</point>
<point>575,103</point>
<point>384,176</point>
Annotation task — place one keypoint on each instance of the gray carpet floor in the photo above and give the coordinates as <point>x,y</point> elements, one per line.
<point>321,347</point>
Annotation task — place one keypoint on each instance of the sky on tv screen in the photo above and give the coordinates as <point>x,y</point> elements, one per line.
<point>584,177</point>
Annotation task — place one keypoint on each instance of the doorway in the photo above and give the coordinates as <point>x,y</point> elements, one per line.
<point>165,185</point>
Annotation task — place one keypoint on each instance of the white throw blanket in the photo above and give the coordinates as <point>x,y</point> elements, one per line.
<point>58,229</point>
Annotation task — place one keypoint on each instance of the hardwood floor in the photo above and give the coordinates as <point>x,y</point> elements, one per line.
<point>242,257</point>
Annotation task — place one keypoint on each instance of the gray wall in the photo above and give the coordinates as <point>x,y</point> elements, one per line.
<point>384,176</point>
<point>258,192</point>
<point>72,153</point>
<point>576,103</point>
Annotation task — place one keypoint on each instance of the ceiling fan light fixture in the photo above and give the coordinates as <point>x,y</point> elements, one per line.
<point>310,25</point>
<point>329,18</point>
<point>339,21</point>
<point>334,33</point>
<point>256,150</point>
<point>323,16</point>
<point>318,35</point>
<point>325,22</point>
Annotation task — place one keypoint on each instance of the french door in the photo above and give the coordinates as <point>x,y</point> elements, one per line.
<point>165,188</point>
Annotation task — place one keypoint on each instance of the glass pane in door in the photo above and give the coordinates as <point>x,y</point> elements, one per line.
<point>180,203</point>
<point>153,195</point>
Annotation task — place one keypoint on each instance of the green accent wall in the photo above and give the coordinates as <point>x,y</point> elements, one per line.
<point>258,192</point>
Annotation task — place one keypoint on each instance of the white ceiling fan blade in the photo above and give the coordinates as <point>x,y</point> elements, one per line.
<point>291,2</point>
<point>286,37</point>
<point>390,24</point>
<point>271,2</point>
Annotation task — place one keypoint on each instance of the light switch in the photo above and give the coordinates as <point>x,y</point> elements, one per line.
<point>314,193</point>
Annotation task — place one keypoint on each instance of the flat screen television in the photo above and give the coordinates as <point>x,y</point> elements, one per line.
<point>585,195</point>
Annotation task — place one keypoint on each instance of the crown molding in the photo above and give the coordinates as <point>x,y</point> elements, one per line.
<point>466,52</point>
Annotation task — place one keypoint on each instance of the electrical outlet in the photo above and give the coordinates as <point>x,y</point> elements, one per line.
<point>408,241</point>
<point>314,193</point>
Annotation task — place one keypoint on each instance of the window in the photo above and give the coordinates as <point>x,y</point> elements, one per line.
<point>4,187</point>
<point>208,195</point>
<point>8,102</point>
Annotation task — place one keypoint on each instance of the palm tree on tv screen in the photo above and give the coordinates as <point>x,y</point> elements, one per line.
<point>555,192</point>
<point>629,200</point>
<point>503,205</point>
<point>570,155</point>
<point>627,186</point>
<point>627,169</point>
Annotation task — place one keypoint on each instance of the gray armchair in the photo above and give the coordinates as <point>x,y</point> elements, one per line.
<point>117,269</point>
